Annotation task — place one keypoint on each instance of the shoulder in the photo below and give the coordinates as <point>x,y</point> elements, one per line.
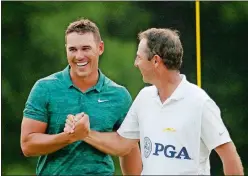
<point>147,92</point>
<point>49,81</point>
<point>148,89</point>
<point>110,85</point>
<point>118,93</point>
<point>195,94</point>
<point>53,78</point>
<point>42,88</point>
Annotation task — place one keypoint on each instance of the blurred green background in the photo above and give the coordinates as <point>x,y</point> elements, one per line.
<point>33,47</point>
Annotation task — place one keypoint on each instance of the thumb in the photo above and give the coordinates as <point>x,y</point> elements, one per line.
<point>85,119</point>
<point>79,116</point>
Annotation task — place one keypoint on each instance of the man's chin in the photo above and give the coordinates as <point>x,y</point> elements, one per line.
<point>83,74</point>
<point>144,80</point>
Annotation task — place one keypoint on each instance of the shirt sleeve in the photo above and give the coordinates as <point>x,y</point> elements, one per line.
<point>125,107</point>
<point>213,130</point>
<point>130,126</point>
<point>36,105</point>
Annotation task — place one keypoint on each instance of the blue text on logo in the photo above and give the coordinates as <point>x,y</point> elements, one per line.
<point>170,151</point>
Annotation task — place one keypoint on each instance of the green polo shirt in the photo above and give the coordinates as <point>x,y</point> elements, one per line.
<point>54,97</point>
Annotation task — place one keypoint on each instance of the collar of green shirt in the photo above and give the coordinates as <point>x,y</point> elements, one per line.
<point>69,84</point>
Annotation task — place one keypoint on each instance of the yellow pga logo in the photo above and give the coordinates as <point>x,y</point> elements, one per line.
<point>169,130</point>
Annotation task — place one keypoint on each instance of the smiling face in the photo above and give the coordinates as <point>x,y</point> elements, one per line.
<point>146,66</point>
<point>83,52</point>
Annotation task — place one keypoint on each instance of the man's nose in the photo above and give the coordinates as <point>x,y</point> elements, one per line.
<point>136,62</point>
<point>79,55</point>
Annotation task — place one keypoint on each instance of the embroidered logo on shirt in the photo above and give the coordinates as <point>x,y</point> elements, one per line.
<point>100,101</point>
<point>168,150</point>
<point>221,133</point>
<point>169,130</point>
<point>147,147</point>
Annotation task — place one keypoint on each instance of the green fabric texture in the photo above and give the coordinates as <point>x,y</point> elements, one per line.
<point>54,97</point>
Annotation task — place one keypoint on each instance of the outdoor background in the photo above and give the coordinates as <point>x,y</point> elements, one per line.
<point>33,47</point>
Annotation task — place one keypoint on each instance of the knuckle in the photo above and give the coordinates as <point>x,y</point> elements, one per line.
<point>70,116</point>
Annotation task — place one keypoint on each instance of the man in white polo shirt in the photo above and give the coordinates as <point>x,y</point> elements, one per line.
<point>176,122</point>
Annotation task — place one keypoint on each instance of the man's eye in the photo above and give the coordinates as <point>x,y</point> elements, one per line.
<point>86,49</point>
<point>72,49</point>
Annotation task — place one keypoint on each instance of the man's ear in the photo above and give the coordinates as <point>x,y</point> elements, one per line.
<point>156,60</point>
<point>101,47</point>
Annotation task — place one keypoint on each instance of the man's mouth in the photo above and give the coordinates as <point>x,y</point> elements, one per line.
<point>81,64</point>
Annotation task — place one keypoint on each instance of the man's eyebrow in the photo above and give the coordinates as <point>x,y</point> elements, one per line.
<point>86,46</point>
<point>72,47</point>
<point>83,46</point>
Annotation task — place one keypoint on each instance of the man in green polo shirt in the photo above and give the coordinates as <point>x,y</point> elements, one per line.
<point>80,87</point>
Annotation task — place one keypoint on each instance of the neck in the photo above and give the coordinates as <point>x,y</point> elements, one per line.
<point>84,83</point>
<point>167,84</point>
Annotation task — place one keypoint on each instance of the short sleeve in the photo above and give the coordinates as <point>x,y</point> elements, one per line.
<point>213,130</point>
<point>125,107</point>
<point>130,126</point>
<point>36,105</point>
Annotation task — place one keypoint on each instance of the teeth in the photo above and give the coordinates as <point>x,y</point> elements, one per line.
<point>82,64</point>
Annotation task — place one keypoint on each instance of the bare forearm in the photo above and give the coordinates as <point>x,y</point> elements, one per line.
<point>230,158</point>
<point>110,143</point>
<point>233,166</point>
<point>37,144</point>
<point>131,163</point>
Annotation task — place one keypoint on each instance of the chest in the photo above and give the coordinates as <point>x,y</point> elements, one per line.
<point>175,121</point>
<point>170,131</point>
<point>104,111</point>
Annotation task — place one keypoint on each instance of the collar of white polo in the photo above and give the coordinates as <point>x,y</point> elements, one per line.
<point>179,92</point>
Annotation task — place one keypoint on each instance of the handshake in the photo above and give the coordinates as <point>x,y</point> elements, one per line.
<point>77,126</point>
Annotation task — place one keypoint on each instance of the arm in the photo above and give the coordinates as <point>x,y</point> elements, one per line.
<point>34,142</point>
<point>131,163</point>
<point>107,142</point>
<point>218,138</point>
<point>111,143</point>
<point>231,161</point>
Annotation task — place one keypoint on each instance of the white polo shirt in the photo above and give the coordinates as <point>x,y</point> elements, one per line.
<point>176,136</point>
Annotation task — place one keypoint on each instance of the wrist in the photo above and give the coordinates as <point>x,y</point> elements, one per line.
<point>69,138</point>
<point>86,136</point>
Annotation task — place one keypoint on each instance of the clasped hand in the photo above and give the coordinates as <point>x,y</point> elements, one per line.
<point>78,126</point>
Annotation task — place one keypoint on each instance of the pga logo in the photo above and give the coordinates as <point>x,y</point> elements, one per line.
<point>168,151</point>
<point>147,147</point>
